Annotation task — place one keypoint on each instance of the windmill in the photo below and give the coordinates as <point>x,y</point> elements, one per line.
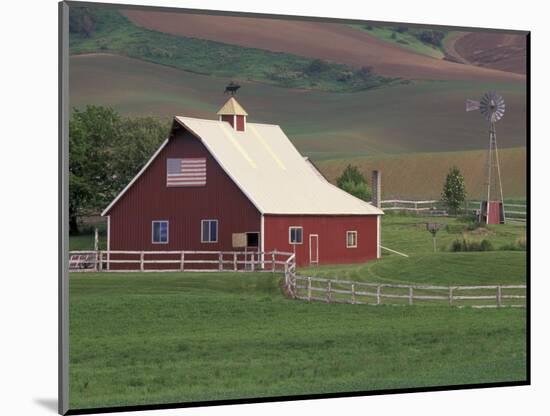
<point>492,107</point>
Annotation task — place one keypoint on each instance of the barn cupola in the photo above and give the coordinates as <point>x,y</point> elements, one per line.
<point>234,114</point>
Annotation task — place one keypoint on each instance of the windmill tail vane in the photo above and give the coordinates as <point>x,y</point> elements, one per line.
<point>472,105</point>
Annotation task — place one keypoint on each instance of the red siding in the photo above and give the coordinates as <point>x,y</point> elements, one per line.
<point>332,237</point>
<point>240,123</point>
<point>229,118</point>
<point>149,199</point>
<point>494,212</point>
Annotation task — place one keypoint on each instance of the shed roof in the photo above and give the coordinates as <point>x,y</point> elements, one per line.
<point>268,169</point>
<point>232,107</point>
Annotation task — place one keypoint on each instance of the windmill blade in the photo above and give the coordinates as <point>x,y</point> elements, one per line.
<point>472,105</point>
<point>492,106</point>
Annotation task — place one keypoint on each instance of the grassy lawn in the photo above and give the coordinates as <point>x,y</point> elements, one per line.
<point>161,338</point>
<point>407,234</point>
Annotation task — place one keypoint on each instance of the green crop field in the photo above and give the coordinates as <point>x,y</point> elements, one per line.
<point>179,337</point>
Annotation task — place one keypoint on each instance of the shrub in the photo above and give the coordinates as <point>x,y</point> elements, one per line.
<point>519,245</point>
<point>368,27</point>
<point>365,72</point>
<point>454,190</point>
<point>485,245</point>
<point>401,29</point>
<point>471,245</point>
<point>316,66</point>
<point>393,35</point>
<point>432,37</point>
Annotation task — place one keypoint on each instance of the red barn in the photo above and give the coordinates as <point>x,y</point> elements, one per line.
<point>213,182</point>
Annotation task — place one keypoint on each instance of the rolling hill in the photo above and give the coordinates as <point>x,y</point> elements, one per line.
<point>505,52</point>
<point>422,116</point>
<point>335,42</point>
<point>421,175</point>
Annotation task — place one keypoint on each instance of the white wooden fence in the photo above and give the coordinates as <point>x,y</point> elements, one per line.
<point>513,212</point>
<point>342,291</point>
<point>171,261</point>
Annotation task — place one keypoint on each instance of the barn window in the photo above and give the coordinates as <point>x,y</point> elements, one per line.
<point>351,239</point>
<point>160,232</point>
<point>295,235</point>
<point>209,233</point>
<point>186,172</point>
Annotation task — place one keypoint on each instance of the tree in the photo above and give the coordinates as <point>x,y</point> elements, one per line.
<point>353,182</point>
<point>454,190</point>
<point>105,152</point>
<point>82,21</point>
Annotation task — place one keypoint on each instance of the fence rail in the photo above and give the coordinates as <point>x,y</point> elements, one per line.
<point>517,212</point>
<point>344,291</point>
<point>187,260</point>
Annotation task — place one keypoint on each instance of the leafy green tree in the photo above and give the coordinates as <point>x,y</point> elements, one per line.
<point>454,190</point>
<point>105,152</point>
<point>353,182</point>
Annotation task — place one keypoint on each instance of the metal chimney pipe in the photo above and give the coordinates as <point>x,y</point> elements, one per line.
<point>376,188</point>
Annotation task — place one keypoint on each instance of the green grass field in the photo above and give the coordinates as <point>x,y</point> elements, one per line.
<point>145,338</point>
<point>179,337</point>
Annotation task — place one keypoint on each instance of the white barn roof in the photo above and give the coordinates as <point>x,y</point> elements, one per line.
<point>271,172</point>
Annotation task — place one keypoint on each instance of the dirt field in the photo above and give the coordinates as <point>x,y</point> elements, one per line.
<point>317,40</point>
<point>504,52</point>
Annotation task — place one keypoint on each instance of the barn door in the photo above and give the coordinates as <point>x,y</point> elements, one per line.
<point>313,248</point>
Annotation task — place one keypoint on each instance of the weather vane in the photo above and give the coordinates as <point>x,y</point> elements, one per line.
<point>231,88</point>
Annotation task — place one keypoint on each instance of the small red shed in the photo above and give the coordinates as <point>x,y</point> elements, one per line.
<point>213,180</point>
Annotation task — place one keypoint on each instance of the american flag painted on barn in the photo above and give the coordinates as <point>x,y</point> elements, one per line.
<point>186,172</point>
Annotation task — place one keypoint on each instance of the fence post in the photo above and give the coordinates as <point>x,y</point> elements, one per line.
<point>220,261</point>
<point>309,289</point>
<point>499,296</point>
<point>450,295</point>
<point>100,257</point>
<point>235,261</point>
<point>410,295</point>
<point>252,262</point>
<point>141,259</point>
<point>378,295</point>
<point>182,261</point>
<point>329,294</point>
<point>353,294</point>
<point>273,261</point>
<point>287,280</point>
<point>96,265</point>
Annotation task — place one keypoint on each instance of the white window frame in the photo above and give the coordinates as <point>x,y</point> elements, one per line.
<point>347,238</point>
<point>290,234</point>
<point>153,232</point>
<point>217,230</point>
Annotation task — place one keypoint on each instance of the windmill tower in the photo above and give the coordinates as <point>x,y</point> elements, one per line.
<point>492,107</point>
